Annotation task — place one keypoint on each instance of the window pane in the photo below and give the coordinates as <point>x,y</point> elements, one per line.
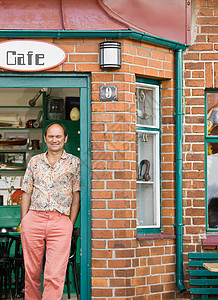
<point>147,196</point>
<point>212,184</point>
<point>147,106</point>
<point>145,205</point>
<point>212,113</point>
<point>145,153</point>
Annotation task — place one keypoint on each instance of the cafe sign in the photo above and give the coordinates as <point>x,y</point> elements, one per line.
<point>30,56</point>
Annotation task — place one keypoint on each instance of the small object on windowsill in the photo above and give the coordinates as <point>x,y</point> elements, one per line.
<point>144,176</point>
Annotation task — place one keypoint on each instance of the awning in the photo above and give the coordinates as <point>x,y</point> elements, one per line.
<point>167,19</point>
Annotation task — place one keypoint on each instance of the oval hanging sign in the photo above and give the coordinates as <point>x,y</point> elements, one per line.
<point>30,56</point>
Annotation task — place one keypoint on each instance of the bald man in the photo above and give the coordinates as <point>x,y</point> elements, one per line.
<point>49,209</point>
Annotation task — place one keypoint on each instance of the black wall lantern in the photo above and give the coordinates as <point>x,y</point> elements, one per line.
<point>110,54</point>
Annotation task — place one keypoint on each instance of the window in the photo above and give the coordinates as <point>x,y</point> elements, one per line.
<point>148,156</point>
<point>211,150</point>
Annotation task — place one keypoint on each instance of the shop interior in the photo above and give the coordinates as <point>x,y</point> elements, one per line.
<point>24,115</point>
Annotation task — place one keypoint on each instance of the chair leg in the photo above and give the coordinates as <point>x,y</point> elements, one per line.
<point>9,281</point>
<point>1,283</point>
<point>68,281</point>
<point>16,271</point>
<point>6,282</point>
<point>75,277</point>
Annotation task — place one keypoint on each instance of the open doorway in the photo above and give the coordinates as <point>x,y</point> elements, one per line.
<point>16,91</point>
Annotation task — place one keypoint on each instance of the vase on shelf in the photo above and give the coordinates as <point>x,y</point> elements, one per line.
<point>19,227</point>
<point>10,200</point>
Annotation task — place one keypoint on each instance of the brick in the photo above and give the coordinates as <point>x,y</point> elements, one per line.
<point>95,204</point>
<point>101,292</point>
<point>84,48</point>
<point>153,279</point>
<point>98,127</point>
<point>124,273</point>
<point>83,58</point>
<point>156,288</point>
<point>194,66</point>
<point>102,273</point>
<point>120,244</point>
<point>102,156</point>
<point>209,75</point>
<point>102,194</point>
<point>97,282</point>
<point>123,234</point>
<point>119,263</point>
<point>123,194</point>
<point>68,67</point>
<point>136,281</point>
<point>209,56</point>
<point>98,165</point>
<point>102,117</point>
<point>98,107</point>
<point>118,224</point>
<point>98,224</point>
<point>102,234</point>
<point>125,292</point>
<point>118,127</point>
<point>157,251</point>
<point>123,214</point>
<point>123,175</point>
<point>155,64</point>
<point>102,214</point>
<point>144,52</point>
<point>97,263</point>
<point>117,107</point>
<point>101,136</point>
<point>87,67</point>
<point>118,146</point>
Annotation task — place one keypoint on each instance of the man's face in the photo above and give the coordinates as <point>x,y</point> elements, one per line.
<point>55,138</point>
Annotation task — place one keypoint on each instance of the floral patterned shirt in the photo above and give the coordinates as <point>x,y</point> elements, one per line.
<point>52,187</point>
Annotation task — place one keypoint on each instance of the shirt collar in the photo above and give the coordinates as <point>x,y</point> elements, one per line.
<point>63,156</point>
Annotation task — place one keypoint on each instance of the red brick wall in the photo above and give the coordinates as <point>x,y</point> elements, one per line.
<point>200,72</point>
<point>122,266</point>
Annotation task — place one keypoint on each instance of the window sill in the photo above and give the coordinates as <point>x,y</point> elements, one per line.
<point>155,236</point>
<point>211,240</point>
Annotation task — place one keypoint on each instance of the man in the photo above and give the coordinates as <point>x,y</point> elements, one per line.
<point>51,188</point>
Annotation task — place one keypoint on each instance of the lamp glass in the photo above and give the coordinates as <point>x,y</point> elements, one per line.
<point>110,54</point>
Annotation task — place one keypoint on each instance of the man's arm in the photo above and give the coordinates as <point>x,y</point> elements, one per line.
<point>75,207</point>
<point>25,204</point>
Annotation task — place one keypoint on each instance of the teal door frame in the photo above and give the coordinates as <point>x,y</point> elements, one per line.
<point>81,81</point>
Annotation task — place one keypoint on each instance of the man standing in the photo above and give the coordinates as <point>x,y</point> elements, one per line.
<point>49,209</point>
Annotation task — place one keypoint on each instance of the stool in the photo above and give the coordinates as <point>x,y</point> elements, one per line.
<point>8,248</point>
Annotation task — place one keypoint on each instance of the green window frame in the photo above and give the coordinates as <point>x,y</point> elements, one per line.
<point>211,159</point>
<point>148,159</point>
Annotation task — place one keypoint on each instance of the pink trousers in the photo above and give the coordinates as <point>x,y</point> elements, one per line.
<point>53,231</point>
